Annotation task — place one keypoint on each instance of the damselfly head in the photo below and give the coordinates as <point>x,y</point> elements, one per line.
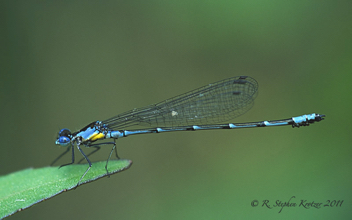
<point>64,137</point>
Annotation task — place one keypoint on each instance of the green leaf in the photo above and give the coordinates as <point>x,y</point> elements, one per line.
<point>25,188</point>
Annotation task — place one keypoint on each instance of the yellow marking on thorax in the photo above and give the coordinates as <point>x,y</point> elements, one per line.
<point>98,136</point>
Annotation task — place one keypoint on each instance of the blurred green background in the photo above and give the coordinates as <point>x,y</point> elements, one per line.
<point>68,63</point>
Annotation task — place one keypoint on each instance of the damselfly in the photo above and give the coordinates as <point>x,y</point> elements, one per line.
<point>200,109</point>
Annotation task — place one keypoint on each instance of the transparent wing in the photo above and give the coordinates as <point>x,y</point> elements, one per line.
<point>210,104</point>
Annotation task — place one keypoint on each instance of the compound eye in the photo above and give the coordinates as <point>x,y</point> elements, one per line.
<point>64,137</point>
<point>64,132</point>
<point>63,141</point>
